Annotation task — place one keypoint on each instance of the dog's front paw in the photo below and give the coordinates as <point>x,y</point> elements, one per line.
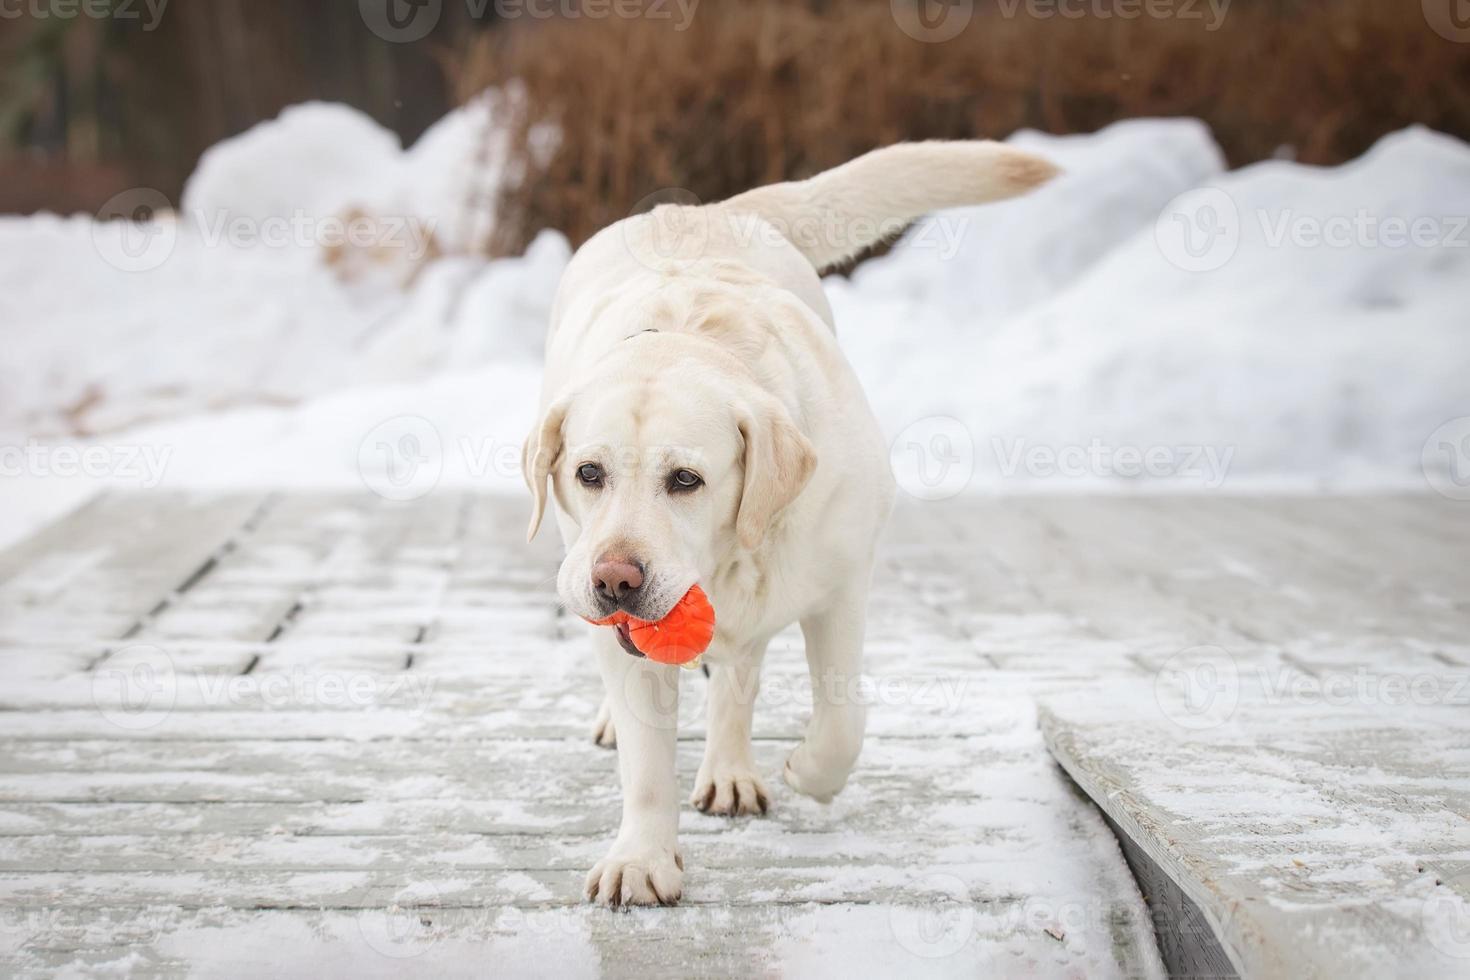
<point>730,791</point>
<point>808,778</point>
<point>637,876</point>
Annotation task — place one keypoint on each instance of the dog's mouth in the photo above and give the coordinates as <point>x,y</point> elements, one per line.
<point>625,638</point>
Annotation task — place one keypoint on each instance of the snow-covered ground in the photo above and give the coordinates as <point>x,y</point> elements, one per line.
<point>311,316</point>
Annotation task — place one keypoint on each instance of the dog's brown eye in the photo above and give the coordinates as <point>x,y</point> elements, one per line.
<point>590,474</point>
<point>682,480</point>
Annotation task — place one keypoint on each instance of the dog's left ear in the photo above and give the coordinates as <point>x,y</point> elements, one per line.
<point>779,460</point>
<point>539,455</point>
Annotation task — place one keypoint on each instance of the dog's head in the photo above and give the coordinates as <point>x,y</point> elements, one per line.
<point>668,458</point>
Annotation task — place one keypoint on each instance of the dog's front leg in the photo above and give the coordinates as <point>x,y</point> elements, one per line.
<point>820,765</point>
<point>644,866</point>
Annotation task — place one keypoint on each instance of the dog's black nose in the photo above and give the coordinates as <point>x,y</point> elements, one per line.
<point>616,579</point>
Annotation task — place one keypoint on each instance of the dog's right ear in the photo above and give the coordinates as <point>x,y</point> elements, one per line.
<point>539,455</point>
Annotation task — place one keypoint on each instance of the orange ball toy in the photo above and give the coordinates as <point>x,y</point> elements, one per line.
<point>679,638</point>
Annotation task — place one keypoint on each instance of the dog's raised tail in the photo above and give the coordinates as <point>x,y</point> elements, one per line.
<point>836,214</point>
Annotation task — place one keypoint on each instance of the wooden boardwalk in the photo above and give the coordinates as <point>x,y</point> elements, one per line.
<point>308,735</point>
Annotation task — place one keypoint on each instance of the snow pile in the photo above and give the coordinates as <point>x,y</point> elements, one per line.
<point>1146,320</point>
<point>277,280</point>
<point>1304,332</point>
<point>322,159</point>
<point>91,347</point>
<point>313,158</point>
<point>974,265</point>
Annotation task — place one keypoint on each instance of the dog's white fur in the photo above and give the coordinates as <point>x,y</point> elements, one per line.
<point>699,338</point>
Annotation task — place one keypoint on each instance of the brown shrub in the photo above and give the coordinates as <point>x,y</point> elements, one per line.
<point>761,91</point>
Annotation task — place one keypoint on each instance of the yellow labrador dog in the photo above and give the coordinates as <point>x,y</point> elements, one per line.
<point>700,425</point>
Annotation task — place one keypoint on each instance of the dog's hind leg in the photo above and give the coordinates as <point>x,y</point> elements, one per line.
<point>604,732</point>
<point>820,765</point>
<point>727,783</point>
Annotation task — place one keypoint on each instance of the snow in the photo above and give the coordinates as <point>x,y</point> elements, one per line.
<point>312,157</point>
<point>1074,339</point>
<point>322,159</point>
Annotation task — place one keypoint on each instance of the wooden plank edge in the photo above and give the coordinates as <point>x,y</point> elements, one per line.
<point>1194,899</point>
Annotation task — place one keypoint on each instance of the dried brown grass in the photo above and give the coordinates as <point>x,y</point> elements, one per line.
<point>762,91</point>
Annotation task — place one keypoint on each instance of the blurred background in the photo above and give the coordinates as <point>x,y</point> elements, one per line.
<point>710,96</point>
<point>247,235</point>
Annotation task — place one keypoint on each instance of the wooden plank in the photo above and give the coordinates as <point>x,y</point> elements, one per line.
<point>1308,835</point>
<point>102,572</point>
<point>885,809</point>
<point>1187,944</point>
<point>423,933</point>
<point>465,769</point>
<point>954,768</point>
<point>1075,577</point>
<point>1295,553</point>
<point>252,590</point>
